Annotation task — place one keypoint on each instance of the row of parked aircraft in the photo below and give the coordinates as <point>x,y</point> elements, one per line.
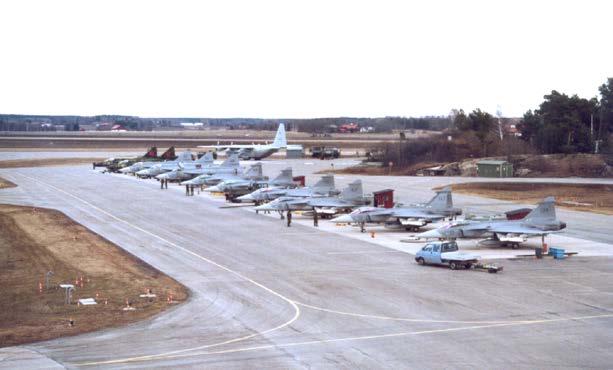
<point>348,206</point>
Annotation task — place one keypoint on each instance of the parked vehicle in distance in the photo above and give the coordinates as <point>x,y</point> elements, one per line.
<point>325,152</point>
<point>445,253</point>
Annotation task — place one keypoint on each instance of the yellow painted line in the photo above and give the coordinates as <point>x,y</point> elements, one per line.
<point>154,356</point>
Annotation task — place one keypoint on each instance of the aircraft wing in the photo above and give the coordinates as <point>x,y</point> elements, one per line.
<point>411,213</point>
<point>228,146</point>
<point>501,228</point>
<point>326,202</point>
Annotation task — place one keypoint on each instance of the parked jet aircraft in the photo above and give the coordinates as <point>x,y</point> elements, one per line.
<point>410,218</point>
<point>230,165</point>
<point>255,151</point>
<point>253,173</point>
<point>324,187</point>
<point>166,166</point>
<point>283,180</point>
<point>351,197</point>
<point>540,222</point>
<point>116,164</point>
<point>205,160</point>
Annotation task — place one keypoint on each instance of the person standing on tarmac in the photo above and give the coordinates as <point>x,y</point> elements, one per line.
<point>289,218</point>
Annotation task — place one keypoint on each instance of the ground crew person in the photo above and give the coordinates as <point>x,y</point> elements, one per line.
<point>289,218</point>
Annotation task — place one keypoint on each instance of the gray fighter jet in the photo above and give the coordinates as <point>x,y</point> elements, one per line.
<point>324,187</point>
<point>253,173</point>
<point>540,222</point>
<point>409,218</point>
<point>351,197</point>
<point>283,181</point>
<point>185,157</point>
<point>230,165</point>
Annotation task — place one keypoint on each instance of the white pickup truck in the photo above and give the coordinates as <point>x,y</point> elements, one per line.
<point>445,253</point>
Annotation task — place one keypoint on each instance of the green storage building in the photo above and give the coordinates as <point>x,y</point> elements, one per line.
<point>490,168</point>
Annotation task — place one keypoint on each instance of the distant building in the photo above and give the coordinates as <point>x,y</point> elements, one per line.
<point>294,151</point>
<point>192,125</point>
<point>491,168</point>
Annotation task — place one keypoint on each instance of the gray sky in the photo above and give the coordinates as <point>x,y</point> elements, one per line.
<point>293,59</point>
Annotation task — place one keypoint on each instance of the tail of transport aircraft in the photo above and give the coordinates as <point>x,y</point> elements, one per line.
<point>280,139</point>
<point>231,161</point>
<point>151,153</point>
<point>442,200</point>
<point>325,184</point>
<point>169,154</point>
<point>353,192</point>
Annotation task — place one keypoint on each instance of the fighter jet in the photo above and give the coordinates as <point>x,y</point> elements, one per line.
<point>230,165</point>
<point>540,222</point>
<point>138,166</point>
<point>324,187</point>
<point>253,173</point>
<point>166,166</point>
<point>234,186</point>
<point>409,218</point>
<point>117,164</point>
<point>255,151</point>
<point>351,197</point>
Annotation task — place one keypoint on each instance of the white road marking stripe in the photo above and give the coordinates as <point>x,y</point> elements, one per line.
<point>152,357</point>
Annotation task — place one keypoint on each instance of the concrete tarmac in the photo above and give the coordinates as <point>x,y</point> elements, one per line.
<point>267,296</point>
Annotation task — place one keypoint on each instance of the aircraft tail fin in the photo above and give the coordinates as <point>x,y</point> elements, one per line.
<point>169,154</point>
<point>353,191</point>
<point>325,185</point>
<point>280,139</point>
<point>231,161</point>
<point>442,200</point>
<point>206,159</point>
<point>151,153</point>
<point>255,170</point>
<point>544,213</point>
<point>285,177</point>
<point>185,156</point>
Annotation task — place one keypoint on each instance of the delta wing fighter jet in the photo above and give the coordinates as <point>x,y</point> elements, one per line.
<point>255,151</point>
<point>253,173</point>
<point>118,164</point>
<point>351,197</point>
<point>234,186</point>
<point>540,222</point>
<point>324,187</point>
<point>185,157</point>
<point>409,218</point>
<point>168,155</point>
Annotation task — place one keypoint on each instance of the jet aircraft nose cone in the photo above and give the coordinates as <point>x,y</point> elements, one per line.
<point>246,198</point>
<point>213,189</point>
<point>343,219</point>
<point>430,234</point>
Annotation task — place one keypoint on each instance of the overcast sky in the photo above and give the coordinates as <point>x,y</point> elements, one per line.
<point>294,59</point>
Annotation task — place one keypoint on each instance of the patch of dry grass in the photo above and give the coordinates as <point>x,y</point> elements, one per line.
<point>582,197</point>
<point>34,241</point>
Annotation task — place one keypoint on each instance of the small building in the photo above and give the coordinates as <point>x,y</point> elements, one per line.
<point>492,168</point>
<point>383,198</point>
<point>294,152</point>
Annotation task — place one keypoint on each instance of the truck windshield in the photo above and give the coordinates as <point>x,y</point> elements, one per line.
<point>450,247</point>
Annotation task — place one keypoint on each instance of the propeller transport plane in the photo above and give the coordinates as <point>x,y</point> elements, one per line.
<point>254,151</point>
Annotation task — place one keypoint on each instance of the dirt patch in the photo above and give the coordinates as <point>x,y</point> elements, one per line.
<point>582,197</point>
<point>14,163</point>
<point>34,241</point>
<point>6,184</point>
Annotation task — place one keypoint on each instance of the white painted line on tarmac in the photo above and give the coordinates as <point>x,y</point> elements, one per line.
<point>155,356</point>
